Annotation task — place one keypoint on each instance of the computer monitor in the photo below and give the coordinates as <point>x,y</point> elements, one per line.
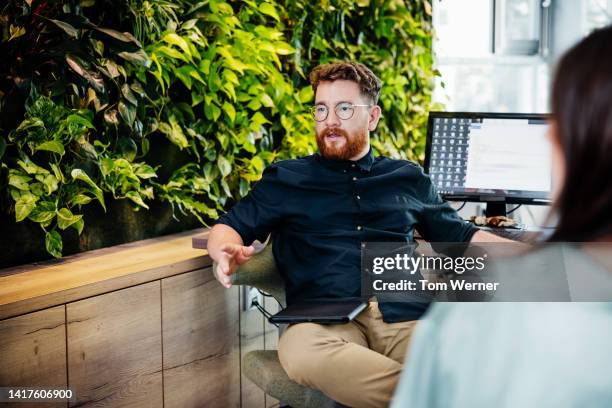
<point>489,157</point>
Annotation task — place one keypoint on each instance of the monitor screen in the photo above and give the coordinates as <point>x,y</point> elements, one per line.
<point>489,157</point>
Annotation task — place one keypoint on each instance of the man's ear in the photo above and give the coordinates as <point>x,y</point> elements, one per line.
<point>375,114</point>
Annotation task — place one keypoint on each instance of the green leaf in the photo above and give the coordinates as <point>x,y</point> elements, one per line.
<point>127,148</point>
<point>183,75</point>
<point>53,243</point>
<point>139,57</point>
<point>87,149</point>
<point>175,39</point>
<point>174,132</point>
<point>283,48</point>
<point>229,111</point>
<point>306,94</point>
<point>79,226</point>
<point>43,212</point>
<point>52,146</point>
<point>257,164</point>
<point>144,171</point>
<point>212,111</point>
<point>30,167</point>
<point>128,94</point>
<point>268,9</point>
<point>226,188</point>
<point>135,197</point>
<point>78,174</point>
<point>243,188</point>
<point>255,104</point>
<point>224,165</point>
<point>24,206</point>
<point>57,172</point>
<point>171,53</point>
<point>38,189</point>
<point>78,120</point>
<point>196,98</point>
<point>51,182</point>
<point>80,199</point>
<point>267,101</point>
<point>65,218</point>
<point>128,112</point>
<point>20,182</point>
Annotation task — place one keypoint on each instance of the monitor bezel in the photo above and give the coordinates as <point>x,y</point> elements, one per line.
<point>481,197</point>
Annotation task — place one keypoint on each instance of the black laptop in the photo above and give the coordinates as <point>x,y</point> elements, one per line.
<point>325,311</point>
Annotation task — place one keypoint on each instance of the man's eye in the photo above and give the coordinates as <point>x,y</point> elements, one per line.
<point>345,107</point>
<point>321,109</point>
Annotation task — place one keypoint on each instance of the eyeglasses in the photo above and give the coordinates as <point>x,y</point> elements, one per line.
<point>344,110</point>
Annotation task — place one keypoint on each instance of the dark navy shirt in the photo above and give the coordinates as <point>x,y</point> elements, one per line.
<point>319,211</point>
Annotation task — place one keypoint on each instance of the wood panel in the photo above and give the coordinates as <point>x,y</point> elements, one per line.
<point>114,348</point>
<point>200,342</point>
<point>251,338</point>
<point>271,339</point>
<point>28,288</point>
<point>33,352</point>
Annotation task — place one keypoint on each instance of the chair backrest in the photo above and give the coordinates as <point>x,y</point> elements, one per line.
<point>261,272</point>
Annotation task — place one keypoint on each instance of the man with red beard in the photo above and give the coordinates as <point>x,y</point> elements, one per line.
<point>319,209</point>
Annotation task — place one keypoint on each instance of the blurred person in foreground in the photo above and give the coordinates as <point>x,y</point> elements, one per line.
<point>539,354</point>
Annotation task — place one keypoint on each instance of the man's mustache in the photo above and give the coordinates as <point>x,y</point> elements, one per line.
<point>336,131</point>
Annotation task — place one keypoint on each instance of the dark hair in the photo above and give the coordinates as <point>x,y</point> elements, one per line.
<point>582,109</point>
<point>369,84</point>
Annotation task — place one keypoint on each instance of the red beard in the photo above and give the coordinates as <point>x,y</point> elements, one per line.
<point>338,149</point>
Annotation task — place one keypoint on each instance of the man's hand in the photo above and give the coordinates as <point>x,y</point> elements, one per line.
<point>232,255</point>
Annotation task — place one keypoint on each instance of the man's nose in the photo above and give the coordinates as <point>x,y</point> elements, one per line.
<point>332,119</point>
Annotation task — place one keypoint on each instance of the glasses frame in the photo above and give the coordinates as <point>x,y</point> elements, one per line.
<point>312,110</point>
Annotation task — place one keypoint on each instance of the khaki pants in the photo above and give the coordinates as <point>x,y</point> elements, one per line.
<point>357,364</point>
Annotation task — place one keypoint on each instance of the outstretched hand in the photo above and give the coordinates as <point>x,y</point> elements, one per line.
<point>232,255</point>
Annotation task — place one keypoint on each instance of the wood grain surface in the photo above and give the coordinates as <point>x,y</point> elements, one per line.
<point>33,352</point>
<point>115,350</point>
<point>200,342</point>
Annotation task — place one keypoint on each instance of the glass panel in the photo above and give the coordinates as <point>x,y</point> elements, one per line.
<point>493,87</point>
<point>517,27</point>
<point>463,30</point>
<point>521,23</point>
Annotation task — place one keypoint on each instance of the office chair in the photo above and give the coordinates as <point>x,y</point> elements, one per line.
<point>263,366</point>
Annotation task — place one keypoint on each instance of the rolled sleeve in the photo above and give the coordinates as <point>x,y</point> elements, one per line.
<point>439,222</point>
<point>255,215</point>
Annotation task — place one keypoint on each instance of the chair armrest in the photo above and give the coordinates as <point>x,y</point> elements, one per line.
<point>261,272</point>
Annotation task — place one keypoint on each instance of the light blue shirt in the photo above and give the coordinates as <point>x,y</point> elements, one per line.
<point>510,355</point>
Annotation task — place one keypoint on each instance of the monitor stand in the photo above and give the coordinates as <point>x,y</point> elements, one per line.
<point>495,208</point>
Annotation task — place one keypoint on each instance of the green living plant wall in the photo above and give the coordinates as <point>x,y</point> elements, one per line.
<point>89,88</point>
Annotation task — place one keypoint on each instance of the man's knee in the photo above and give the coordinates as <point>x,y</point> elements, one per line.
<point>300,352</point>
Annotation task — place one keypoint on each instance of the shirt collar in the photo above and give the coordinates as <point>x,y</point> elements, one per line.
<point>365,163</point>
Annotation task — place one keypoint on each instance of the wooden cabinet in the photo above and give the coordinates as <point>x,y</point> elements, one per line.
<point>201,342</point>
<point>33,351</point>
<point>140,325</point>
<point>115,350</point>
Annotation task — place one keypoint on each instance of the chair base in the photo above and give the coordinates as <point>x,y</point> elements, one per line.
<point>264,369</point>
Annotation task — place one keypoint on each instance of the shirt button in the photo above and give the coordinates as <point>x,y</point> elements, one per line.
<point>353,165</point>
<point>359,228</point>
<point>357,197</point>
<point>354,178</point>
<point>344,171</point>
